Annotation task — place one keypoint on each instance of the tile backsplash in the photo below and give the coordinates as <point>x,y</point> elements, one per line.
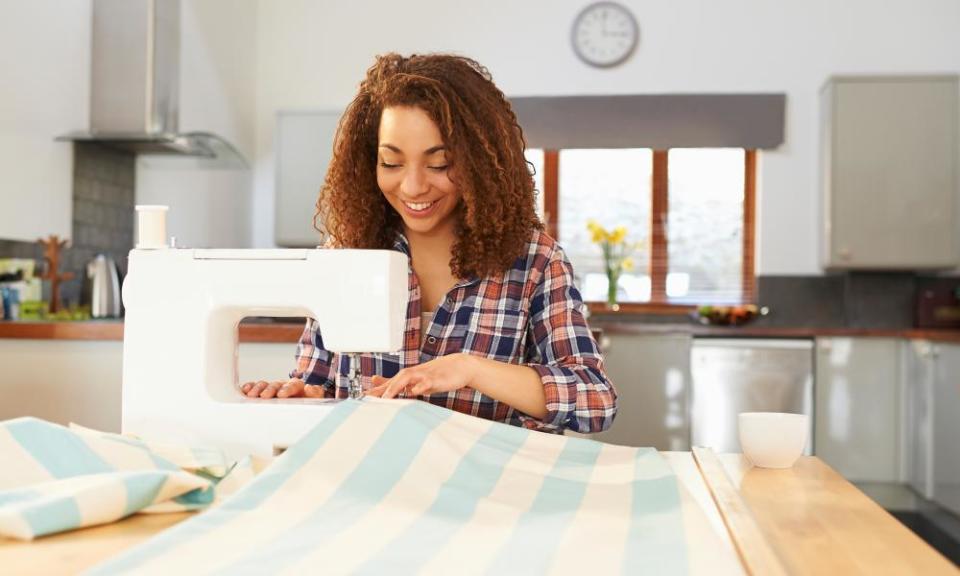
<point>103,212</point>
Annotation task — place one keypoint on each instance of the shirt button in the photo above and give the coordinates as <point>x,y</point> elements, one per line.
<point>449,301</point>
<point>431,340</point>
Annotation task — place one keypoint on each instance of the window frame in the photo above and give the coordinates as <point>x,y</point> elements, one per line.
<point>659,253</point>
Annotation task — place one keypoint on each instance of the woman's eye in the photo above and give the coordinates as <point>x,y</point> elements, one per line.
<point>438,168</point>
<point>388,166</point>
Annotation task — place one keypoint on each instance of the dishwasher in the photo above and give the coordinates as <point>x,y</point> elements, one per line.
<point>734,375</point>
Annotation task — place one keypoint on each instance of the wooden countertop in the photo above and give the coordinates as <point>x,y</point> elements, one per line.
<point>749,331</point>
<point>284,332</point>
<point>819,523</point>
<point>814,520</point>
<point>113,330</point>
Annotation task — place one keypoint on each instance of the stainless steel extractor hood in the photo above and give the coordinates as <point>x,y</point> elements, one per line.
<point>134,85</point>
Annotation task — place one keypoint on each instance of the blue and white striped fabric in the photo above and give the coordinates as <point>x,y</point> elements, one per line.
<point>54,479</point>
<point>395,486</point>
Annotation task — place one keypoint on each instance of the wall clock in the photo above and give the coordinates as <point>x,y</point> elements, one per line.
<point>605,34</point>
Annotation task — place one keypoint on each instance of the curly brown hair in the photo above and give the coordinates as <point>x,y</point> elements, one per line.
<point>497,214</point>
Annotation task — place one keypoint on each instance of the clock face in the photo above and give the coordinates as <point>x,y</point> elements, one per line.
<point>605,34</point>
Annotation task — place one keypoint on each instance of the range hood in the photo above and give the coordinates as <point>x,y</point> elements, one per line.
<point>134,85</point>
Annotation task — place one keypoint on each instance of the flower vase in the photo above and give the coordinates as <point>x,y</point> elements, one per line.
<point>612,281</point>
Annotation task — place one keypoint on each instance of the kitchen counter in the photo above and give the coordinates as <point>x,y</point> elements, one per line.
<point>749,331</point>
<point>290,332</point>
<point>113,330</point>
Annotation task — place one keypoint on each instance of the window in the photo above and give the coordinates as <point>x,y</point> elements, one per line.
<point>612,187</point>
<point>691,208</point>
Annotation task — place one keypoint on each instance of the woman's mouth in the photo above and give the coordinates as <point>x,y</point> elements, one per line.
<point>420,209</point>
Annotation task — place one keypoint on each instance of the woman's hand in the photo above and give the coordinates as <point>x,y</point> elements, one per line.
<point>281,389</point>
<point>443,374</point>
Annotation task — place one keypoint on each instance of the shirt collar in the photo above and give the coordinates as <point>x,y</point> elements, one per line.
<point>401,244</point>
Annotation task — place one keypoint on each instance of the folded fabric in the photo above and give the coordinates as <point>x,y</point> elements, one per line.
<point>386,486</point>
<point>55,479</point>
<point>210,461</point>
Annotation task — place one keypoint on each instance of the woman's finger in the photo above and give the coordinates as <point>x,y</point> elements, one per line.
<point>396,384</point>
<point>313,391</point>
<point>377,390</point>
<point>403,384</point>
<point>271,390</point>
<point>256,389</point>
<point>421,389</point>
<point>291,388</point>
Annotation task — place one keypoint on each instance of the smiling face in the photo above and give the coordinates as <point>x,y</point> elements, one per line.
<point>413,172</point>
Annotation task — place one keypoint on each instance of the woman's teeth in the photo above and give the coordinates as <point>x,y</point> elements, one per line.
<point>419,206</point>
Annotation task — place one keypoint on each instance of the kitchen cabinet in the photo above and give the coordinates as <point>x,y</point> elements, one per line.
<point>46,50</point>
<point>918,384</point>
<point>304,141</point>
<point>889,169</point>
<point>83,381</point>
<point>652,376</point>
<point>933,427</point>
<point>858,407</point>
<point>946,426</point>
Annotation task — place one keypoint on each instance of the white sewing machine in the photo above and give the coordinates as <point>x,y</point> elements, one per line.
<point>180,335</point>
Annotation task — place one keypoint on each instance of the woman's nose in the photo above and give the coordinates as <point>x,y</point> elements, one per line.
<point>414,182</point>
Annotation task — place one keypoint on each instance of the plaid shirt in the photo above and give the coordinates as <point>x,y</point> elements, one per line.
<point>531,314</point>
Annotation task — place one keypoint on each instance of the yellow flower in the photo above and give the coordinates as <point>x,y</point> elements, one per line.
<point>627,264</point>
<point>598,233</point>
<point>618,235</point>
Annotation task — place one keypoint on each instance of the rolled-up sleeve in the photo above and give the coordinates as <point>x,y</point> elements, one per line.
<point>562,350</point>
<point>313,360</point>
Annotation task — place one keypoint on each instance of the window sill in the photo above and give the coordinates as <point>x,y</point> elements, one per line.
<point>628,308</point>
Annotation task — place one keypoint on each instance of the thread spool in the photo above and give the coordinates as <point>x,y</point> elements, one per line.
<point>151,227</point>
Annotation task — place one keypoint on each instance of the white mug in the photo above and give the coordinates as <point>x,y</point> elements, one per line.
<point>773,439</point>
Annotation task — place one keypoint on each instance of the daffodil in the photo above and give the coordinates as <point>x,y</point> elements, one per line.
<point>615,254</point>
<point>618,235</point>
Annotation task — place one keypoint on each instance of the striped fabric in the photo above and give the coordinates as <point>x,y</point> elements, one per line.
<point>402,487</point>
<point>531,314</point>
<point>54,479</point>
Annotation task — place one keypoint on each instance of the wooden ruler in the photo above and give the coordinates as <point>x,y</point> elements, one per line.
<point>756,554</point>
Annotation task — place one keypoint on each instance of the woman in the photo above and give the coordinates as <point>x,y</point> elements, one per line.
<point>428,160</point>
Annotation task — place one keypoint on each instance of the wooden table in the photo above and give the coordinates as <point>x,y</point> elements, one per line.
<point>818,523</point>
<point>814,521</point>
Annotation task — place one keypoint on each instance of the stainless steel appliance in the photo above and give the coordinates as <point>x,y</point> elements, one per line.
<point>102,287</point>
<point>733,375</point>
<point>135,85</point>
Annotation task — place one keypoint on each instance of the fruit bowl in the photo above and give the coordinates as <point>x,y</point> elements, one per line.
<point>728,315</point>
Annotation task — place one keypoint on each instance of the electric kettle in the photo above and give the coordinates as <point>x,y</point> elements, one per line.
<point>102,287</point>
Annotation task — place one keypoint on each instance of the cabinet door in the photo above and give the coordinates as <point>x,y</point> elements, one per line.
<point>857,407</point>
<point>82,385</point>
<point>891,172</point>
<point>946,427</point>
<point>918,415</point>
<point>652,378</point>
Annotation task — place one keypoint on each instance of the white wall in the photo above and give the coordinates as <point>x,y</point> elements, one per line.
<point>210,207</point>
<point>44,93</point>
<point>312,54</point>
